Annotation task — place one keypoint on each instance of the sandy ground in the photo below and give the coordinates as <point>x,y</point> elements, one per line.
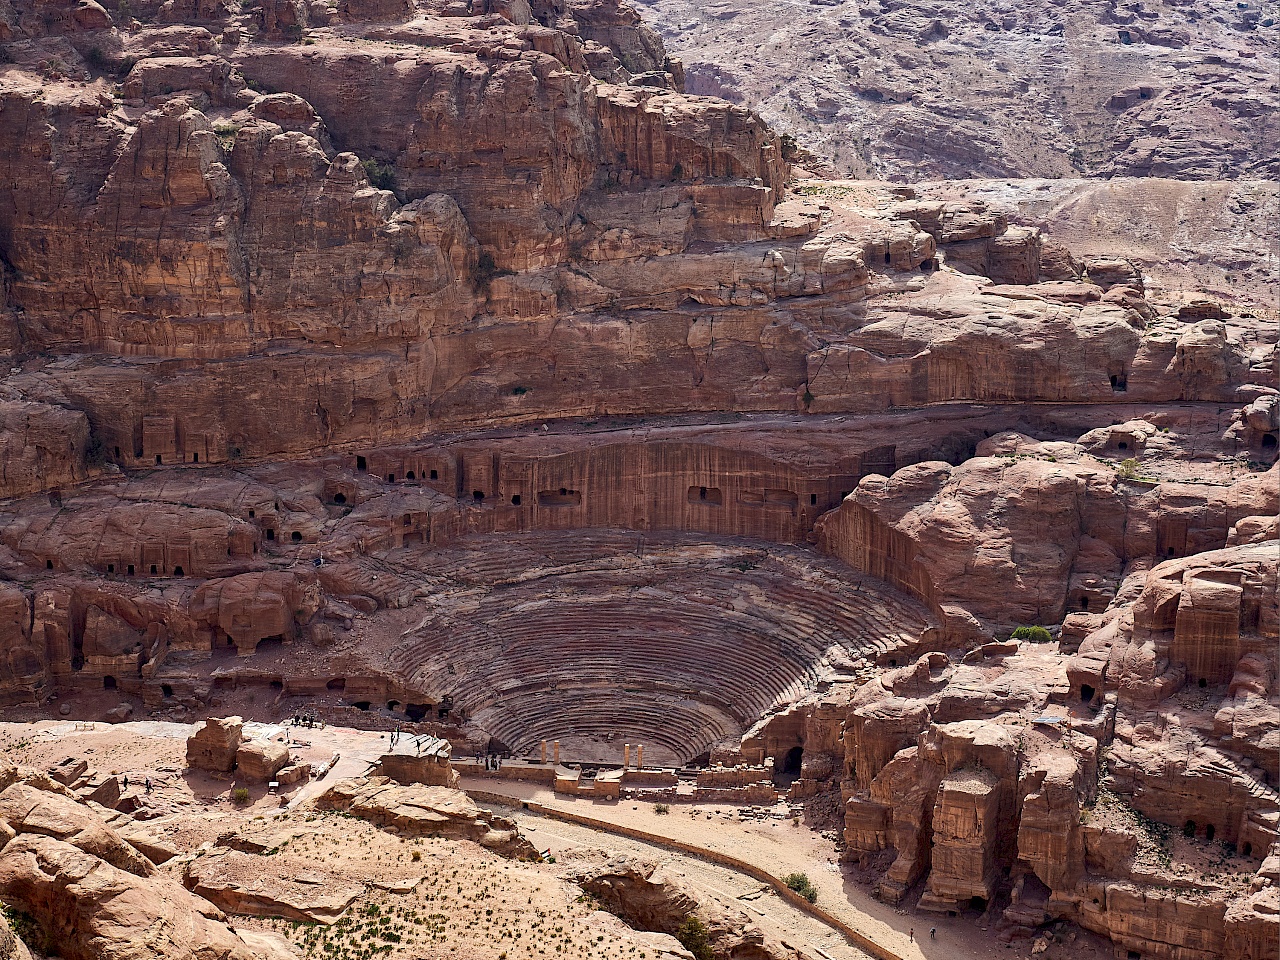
<point>188,809</point>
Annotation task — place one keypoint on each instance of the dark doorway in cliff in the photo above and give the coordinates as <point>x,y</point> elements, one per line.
<point>978,903</point>
<point>393,705</point>
<point>277,685</point>
<point>362,704</point>
<point>1086,693</point>
<point>411,475</point>
<point>337,683</point>
<point>270,645</point>
<point>1134,954</point>
<point>1202,683</point>
<point>177,572</point>
<point>1084,603</point>
<point>339,498</point>
<point>1209,831</point>
<point>1247,849</point>
<point>416,711</point>
<point>296,537</point>
<point>435,474</point>
<point>564,497</point>
<point>1119,382</point>
<point>786,768</point>
<point>711,495</point>
<point>108,683</point>
<point>166,690</point>
<point>1189,828</point>
<point>362,463</point>
<point>1269,441</point>
<point>477,496</point>
<point>515,500</point>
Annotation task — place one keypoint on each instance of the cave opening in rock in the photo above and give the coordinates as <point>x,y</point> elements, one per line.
<point>177,572</point>
<point>1189,828</point>
<point>362,464</point>
<point>277,685</point>
<point>362,704</point>
<point>477,496</point>
<point>339,498</point>
<point>1247,849</point>
<point>1269,441</point>
<point>786,768</point>
<point>393,705</point>
<point>411,475</point>
<point>166,689</point>
<point>515,499</point>
<point>1209,831</point>
<point>416,711</point>
<point>108,683</point>
<point>1086,693</point>
<point>435,475</point>
<point>1202,683</point>
<point>337,683</point>
<point>978,903</point>
<point>296,537</point>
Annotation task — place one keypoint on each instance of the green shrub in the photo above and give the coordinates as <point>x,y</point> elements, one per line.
<point>1033,634</point>
<point>240,796</point>
<point>692,934</point>
<point>382,177</point>
<point>799,882</point>
<point>661,808</point>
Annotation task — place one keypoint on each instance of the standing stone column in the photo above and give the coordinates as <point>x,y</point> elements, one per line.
<point>639,756</point>
<point>626,755</point>
<point>544,751</point>
<point>557,747</point>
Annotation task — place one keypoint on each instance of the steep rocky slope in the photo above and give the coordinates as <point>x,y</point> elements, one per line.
<point>914,90</point>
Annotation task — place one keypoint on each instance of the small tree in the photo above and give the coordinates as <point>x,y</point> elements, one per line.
<point>692,934</point>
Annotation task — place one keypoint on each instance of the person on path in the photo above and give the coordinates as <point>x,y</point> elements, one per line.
<point>933,933</point>
<point>912,935</point>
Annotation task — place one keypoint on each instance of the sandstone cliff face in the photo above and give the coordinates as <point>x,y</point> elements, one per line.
<point>1038,528</point>
<point>450,220</point>
<point>88,891</point>
<point>1110,785</point>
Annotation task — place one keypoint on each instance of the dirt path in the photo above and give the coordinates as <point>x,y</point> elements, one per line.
<point>779,848</point>
<point>776,917</point>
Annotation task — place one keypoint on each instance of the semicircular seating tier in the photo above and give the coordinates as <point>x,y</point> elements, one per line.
<point>599,638</point>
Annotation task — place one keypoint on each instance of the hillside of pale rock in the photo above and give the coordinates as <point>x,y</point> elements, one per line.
<point>451,367</point>
<point>906,89</point>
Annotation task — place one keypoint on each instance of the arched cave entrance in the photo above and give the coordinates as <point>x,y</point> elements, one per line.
<point>108,683</point>
<point>1086,693</point>
<point>787,766</point>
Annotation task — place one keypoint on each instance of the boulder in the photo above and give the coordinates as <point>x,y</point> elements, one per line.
<point>214,745</point>
<point>418,811</point>
<point>258,761</point>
